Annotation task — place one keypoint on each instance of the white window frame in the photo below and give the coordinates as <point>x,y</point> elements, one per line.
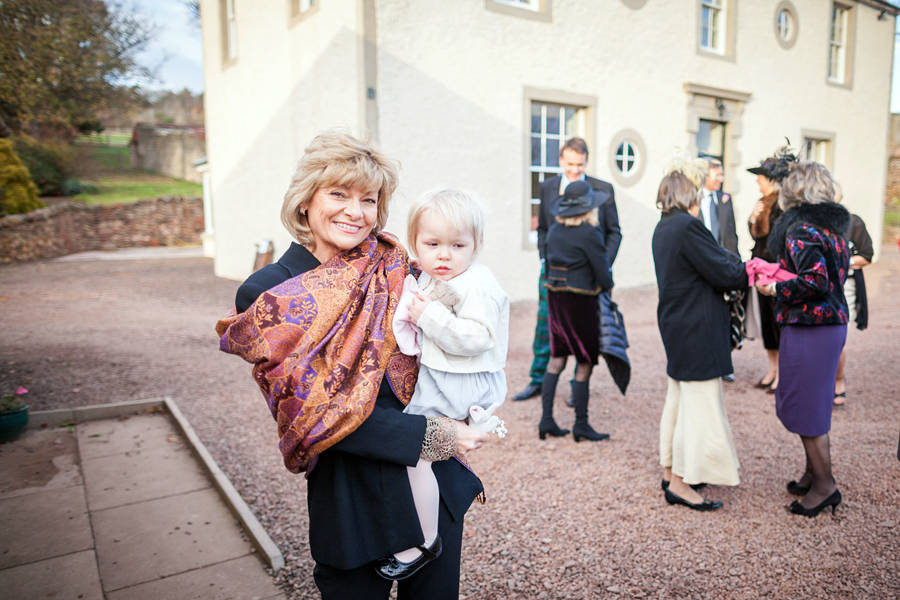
<point>785,25</point>
<point>816,150</point>
<point>714,40</point>
<point>627,163</point>
<point>545,169</point>
<point>298,10</point>
<point>818,146</point>
<point>534,5</point>
<point>229,32</point>
<point>837,58</point>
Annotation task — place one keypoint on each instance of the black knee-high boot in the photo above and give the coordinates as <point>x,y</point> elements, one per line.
<point>582,429</point>
<point>547,424</point>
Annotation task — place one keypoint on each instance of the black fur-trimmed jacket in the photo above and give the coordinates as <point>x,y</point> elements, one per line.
<point>809,240</point>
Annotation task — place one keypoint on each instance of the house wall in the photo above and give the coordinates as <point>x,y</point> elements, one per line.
<point>292,78</point>
<point>452,81</point>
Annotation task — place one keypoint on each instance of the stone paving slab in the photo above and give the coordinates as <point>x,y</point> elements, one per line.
<point>43,525</point>
<point>40,460</point>
<point>128,434</point>
<point>141,475</point>
<point>238,579</point>
<point>158,538</point>
<point>69,576</point>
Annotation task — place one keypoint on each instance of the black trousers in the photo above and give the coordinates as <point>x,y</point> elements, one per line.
<point>438,580</point>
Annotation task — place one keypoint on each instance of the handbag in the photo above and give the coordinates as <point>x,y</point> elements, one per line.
<point>735,301</point>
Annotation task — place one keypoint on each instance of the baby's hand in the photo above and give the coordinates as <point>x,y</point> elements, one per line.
<point>418,306</point>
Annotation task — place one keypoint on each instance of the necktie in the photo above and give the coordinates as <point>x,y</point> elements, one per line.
<point>714,216</point>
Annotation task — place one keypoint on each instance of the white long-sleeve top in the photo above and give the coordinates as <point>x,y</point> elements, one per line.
<point>473,335</point>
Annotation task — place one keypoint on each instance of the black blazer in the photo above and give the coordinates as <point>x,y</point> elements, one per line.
<point>609,216</point>
<point>577,260</point>
<point>360,504</point>
<point>727,235</point>
<point>692,272</point>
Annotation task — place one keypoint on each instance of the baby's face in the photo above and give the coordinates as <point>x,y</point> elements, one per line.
<point>443,252</point>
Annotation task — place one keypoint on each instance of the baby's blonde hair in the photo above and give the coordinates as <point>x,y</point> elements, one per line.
<point>460,209</point>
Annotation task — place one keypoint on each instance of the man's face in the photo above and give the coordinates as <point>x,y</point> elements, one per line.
<point>714,179</point>
<point>573,164</point>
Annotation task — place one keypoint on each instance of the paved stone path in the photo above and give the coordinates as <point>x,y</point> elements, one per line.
<point>118,509</point>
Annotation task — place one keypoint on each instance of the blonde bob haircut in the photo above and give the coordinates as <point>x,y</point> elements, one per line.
<point>337,157</point>
<point>591,217</point>
<point>809,183</point>
<point>461,210</point>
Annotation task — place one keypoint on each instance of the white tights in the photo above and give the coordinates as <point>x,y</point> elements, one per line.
<point>427,498</point>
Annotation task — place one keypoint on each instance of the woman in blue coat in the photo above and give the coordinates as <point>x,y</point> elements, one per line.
<point>693,272</point>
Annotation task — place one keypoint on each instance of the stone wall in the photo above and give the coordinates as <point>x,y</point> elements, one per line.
<point>69,227</point>
<point>168,149</point>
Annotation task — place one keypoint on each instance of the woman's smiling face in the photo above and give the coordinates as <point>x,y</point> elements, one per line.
<point>340,218</point>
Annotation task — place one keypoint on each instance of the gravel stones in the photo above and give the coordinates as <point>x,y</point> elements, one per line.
<point>563,520</point>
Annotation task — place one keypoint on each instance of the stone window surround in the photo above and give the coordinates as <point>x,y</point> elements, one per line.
<point>788,6</point>
<point>849,51</point>
<point>529,95</point>
<point>295,15</point>
<point>728,53</point>
<point>822,136</point>
<point>543,13</point>
<point>635,139</point>
<point>227,60</point>
<point>634,4</point>
<point>726,106</point>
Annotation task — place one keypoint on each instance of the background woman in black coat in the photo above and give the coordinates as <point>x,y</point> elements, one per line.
<point>693,272</point>
<point>360,505</point>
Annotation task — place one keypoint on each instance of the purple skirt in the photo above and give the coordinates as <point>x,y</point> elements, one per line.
<point>807,363</point>
<point>574,321</point>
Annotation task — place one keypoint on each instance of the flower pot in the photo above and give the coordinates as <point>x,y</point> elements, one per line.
<point>12,424</point>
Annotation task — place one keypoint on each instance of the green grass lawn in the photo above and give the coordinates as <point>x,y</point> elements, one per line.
<point>136,186</point>
<point>104,139</point>
<point>108,168</point>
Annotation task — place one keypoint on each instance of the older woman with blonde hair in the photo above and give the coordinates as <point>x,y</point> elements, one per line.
<point>808,240</point>
<point>693,272</point>
<point>317,327</point>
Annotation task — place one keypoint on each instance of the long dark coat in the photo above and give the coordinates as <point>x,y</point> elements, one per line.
<point>692,272</point>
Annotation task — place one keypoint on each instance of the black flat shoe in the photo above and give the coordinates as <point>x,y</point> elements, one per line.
<point>833,500</point>
<point>763,386</point>
<point>705,506</point>
<point>531,390</point>
<point>796,489</point>
<point>694,486</point>
<point>395,570</point>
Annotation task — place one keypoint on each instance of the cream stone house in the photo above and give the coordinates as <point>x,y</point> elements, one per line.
<point>481,93</point>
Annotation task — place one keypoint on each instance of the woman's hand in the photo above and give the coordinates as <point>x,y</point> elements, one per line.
<point>417,307</point>
<point>757,210</point>
<point>469,438</point>
<point>766,289</point>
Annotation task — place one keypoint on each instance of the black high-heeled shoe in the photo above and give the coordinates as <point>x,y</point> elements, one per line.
<point>833,500</point>
<point>705,506</point>
<point>551,429</point>
<point>395,570</point>
<point>796,489</point>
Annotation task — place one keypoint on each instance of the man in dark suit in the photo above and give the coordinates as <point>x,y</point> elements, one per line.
<point>573,160</point>
<point>716,208</point>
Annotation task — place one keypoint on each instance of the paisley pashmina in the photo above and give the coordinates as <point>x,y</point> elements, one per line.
<point>320,344</point>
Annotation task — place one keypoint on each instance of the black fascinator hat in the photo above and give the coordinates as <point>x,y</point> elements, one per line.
<point>578,199</point>
<point>777,167</point>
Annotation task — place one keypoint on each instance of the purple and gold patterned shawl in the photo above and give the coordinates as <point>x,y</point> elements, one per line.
<point>320,344</point>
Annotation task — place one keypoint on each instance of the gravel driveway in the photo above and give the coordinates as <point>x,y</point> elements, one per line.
<point>563,520</point>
